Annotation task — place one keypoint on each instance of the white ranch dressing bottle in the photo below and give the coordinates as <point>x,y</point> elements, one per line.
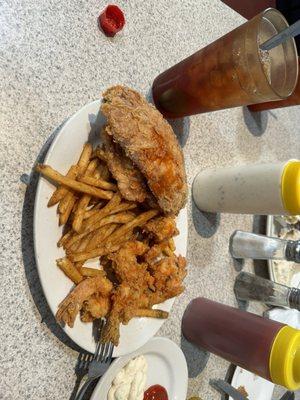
<point>263,189</point>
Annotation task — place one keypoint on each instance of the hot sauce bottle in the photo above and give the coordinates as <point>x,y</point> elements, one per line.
<point>265,347</point>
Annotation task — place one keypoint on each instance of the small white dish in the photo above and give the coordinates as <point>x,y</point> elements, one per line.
<point>64,151</point>
<point>256,387</point>
<point>166,367</point>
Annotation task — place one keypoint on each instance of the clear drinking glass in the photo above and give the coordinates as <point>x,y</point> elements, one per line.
<point>230,72</point>
<point>292,100</point>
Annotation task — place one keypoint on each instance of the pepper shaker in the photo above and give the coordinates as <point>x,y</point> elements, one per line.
<point>252,287</point>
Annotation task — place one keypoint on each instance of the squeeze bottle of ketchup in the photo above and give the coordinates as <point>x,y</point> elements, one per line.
<point>265,347</point>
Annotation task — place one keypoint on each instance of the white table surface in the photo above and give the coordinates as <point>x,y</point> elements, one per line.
<point>53,60</point>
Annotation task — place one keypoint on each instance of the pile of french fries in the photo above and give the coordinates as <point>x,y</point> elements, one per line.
<point>97,220</point>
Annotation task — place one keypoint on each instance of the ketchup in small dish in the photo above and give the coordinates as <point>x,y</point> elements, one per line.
<point>156,392</point>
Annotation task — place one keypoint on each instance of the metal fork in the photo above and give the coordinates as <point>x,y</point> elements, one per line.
<point>98,366</point>
<point>83,362</point>
<point>81,370</point>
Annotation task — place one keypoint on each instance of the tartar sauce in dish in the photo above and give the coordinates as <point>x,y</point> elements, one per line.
<point>130,382</point>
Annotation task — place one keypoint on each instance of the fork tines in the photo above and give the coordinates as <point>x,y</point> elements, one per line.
<point>104,351</point>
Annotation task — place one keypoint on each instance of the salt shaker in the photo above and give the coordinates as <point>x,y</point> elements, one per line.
<point>260,247</point>
<point>252,287</point>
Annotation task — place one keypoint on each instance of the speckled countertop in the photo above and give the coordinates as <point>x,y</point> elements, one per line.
<point>53,60</point>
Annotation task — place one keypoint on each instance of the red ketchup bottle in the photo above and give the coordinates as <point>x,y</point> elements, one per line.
<point>254,343</point>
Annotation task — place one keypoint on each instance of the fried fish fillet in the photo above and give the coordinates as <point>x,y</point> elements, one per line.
<point>149,141</point>
<point>130,180</point>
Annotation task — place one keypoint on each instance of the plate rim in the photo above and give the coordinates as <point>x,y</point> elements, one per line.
<point>235,376</point>
<point>44,283</point>
<point>59,130</point>
<point>118,363</point>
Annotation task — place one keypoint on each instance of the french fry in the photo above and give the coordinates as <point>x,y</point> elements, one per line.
<point>99,251</point>
<point>80,167</point>
<point>63,218</point>
<point>75,207</point>
<point>89,180</point>
<point>91,168</point>
<point>50,173</point>
<point>79,214</point>
<point>122,207</point>
<point>61,191</point>
<point>120,218</point>
<point>84,201</point>
<point>74,248</point>
<point>110,206</point>
<point>85,271</point>
<point>77,237</point>
<point>100,235</point>
<point>82,164</point>
<point>149,313</point>
<point>84,242</point>
<point>138,221</point>
<point>64,202</point>
<point>64,238</point>
<point>85,157</point>
<point>115,240</point>
<point>93,210</point>
<point>68,268</point>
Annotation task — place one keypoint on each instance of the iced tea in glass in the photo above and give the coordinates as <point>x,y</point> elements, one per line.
<point>292,100</point>
<point>231,72</point>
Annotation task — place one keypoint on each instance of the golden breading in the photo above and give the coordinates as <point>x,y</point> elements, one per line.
<point>149,141</point>
<point>72,304</point>
<point>131,182</point>
<point>161,228</point>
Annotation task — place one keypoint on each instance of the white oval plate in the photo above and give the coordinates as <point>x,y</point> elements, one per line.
<point>256,387</point>
<point>166,367</point>
<point>64,151</point>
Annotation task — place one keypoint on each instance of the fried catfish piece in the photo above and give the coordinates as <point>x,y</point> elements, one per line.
<point>130,181</point>
<point>73,303</point>
<point>149,141</point>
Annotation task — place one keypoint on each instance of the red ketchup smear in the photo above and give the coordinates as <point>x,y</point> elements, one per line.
<point>156,392</point>
<point>111,20</point>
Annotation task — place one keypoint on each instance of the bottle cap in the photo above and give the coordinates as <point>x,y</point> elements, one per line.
<point>284,360</point>
<point>290,187</point>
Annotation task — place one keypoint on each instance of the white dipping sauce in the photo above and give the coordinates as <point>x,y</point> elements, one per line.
<point>130,382</point>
